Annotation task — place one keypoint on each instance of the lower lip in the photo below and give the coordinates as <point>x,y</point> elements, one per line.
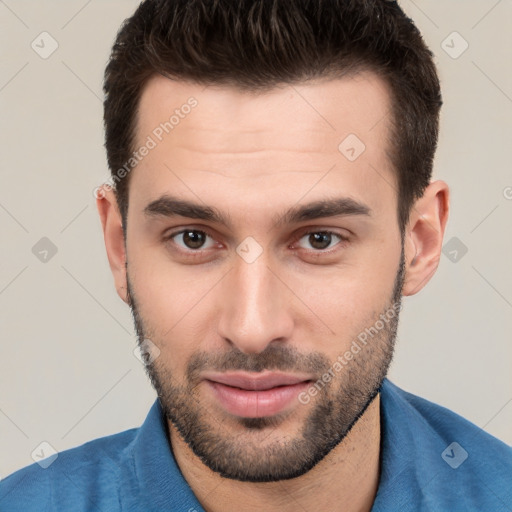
<point>255,404</point>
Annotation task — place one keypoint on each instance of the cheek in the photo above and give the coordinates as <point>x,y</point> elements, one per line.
<point>175,305</point>
<point>350,299</point>
<point>162,289</point>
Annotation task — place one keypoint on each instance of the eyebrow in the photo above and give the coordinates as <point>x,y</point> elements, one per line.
<point>168,206</point>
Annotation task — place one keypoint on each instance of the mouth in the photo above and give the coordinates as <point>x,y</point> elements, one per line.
<point>256,395</point>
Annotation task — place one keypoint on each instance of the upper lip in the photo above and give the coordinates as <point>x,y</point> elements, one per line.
<point>255,381</point>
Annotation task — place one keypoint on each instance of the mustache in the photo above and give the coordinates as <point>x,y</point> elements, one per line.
<point>274,357</point>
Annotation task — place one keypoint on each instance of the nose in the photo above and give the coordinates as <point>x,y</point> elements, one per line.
<point>255,309</point>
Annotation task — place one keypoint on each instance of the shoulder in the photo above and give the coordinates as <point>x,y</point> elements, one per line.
<point>446,424</point>
<point>75,479</point>
<point>455,462</point>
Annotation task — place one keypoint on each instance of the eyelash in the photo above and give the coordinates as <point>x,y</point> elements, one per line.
<point>193,253</point>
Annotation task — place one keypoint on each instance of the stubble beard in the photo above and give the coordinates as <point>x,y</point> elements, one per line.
<point>241,455</point>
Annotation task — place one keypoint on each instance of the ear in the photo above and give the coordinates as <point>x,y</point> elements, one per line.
<point>111,223</point>
<point>424,236</point>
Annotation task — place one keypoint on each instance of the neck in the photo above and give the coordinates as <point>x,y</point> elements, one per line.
<point>346,479</point>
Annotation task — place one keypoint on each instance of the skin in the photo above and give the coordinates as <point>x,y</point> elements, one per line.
<point>252,157</point>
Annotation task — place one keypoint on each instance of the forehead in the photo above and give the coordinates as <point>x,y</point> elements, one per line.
<point>219,143</point>
<point>326,107</point>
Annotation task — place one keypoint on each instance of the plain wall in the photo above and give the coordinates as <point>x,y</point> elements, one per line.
<point>68,373</point>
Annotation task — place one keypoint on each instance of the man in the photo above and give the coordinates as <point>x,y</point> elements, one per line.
<point>271,202</point>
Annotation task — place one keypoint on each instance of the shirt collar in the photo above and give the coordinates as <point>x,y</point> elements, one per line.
<point>161,483</point>
<point>407,476</point>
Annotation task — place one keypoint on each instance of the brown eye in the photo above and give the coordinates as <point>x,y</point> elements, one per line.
<point>194,239</point>
<point>191,239</point>
<point>320,240</point>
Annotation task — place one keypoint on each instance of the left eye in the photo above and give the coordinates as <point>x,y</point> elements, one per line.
<point>321,240</point>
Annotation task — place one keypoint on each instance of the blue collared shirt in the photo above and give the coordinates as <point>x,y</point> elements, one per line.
<point>431,460</point>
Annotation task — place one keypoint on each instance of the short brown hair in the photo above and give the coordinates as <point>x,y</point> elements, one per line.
<point>258,44</point>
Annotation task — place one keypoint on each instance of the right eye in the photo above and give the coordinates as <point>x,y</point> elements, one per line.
<point>192,240</point>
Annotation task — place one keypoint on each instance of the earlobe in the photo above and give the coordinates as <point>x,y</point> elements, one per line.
<point>424,236</point>
<point>113,235</point>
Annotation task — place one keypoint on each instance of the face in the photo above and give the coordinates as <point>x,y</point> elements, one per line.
<point>265,266</point>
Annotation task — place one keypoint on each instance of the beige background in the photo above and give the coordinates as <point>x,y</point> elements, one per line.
<point>67,369</point>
